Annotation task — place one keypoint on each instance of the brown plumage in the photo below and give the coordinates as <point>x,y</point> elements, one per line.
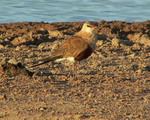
<point>78,47</point>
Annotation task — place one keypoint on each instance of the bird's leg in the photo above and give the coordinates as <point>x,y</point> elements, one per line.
<point>75,71</point>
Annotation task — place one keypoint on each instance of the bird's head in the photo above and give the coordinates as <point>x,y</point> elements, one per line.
<point>89,27</point>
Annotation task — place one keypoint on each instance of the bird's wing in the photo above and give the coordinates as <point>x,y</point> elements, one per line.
<point>74,47</point>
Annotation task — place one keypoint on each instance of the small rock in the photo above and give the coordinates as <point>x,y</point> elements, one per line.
<point>139,71</point>
<point>42,108</point>
<point>55,46</point>
<point>18,41</point>
<point>141,38</point>
<point>18,48</point>
<point>136,47</point>
<point>55,33</point>
<point>14,69</point>
<point>13,61</point>
<point>115,42</point>
<point>1,46</point>
<point>99,43</point>
<point>3,61</point>
<point>30,54</point>
<point>132,55</point>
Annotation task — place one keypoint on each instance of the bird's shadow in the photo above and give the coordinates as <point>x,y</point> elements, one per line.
<point>69,74</point>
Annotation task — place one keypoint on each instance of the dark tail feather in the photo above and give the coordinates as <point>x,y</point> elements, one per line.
<point>45,60</point>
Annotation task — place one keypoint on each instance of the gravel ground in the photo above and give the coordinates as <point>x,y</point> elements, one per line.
<point>113,83</point>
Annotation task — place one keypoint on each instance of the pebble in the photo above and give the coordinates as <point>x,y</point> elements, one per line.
<point>1,46</point>
<point>13,61</point>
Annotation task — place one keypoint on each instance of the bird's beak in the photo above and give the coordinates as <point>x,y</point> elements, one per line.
<point>94,27</point>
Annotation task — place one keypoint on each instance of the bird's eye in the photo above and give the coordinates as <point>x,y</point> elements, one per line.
<point>88,26</point>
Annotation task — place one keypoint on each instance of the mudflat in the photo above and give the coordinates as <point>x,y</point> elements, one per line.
<point>113,83</point>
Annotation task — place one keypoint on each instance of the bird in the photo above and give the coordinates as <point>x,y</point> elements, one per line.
<point>78,47</point>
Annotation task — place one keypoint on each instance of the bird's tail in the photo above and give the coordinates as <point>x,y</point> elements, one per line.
<point>45,60</point>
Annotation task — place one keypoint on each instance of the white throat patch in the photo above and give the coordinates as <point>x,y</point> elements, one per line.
<point>88,30</point>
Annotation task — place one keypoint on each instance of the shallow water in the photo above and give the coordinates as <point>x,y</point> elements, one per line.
<point>74,10</point>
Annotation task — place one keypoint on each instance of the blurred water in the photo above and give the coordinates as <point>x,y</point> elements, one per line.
<point>73,10</point>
